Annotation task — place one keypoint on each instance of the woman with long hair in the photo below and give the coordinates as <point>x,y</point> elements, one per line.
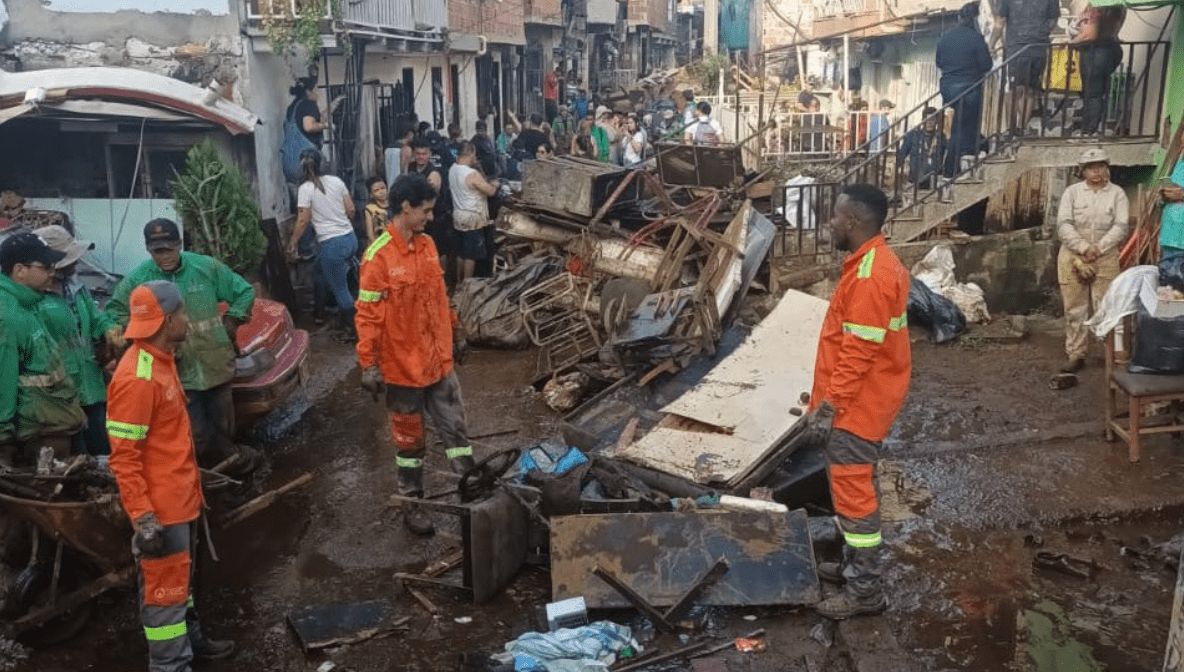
<point>304,106</point>
<point>324,201</point>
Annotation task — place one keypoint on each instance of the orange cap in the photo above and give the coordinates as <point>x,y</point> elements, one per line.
<point>149,304</point>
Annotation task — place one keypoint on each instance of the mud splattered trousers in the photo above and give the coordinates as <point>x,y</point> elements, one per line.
<point>442,401</point>
<point>211,416</point>
<point>1081,299</point>
<point>855,489</point>
<point>166,600</point>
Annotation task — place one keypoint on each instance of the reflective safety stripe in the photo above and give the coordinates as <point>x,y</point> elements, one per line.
<point>898,323</point>
<point>873,334</point>
<point>408,462</point>
<point>376,246</point>
<point>865,264</point>
<point>144,365</point>
<point>367,296</point>
<point>189,602</point>
<point>463,451</point>
<point>166,632</point>
<point>47,380</point>
<point>862,540</point>
<point>124,430</point>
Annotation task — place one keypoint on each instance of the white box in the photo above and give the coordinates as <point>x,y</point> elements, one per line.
<point>569,613</point>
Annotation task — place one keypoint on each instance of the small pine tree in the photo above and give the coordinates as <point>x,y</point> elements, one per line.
<point>220,214</point>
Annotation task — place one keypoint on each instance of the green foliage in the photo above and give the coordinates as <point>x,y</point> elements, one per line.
<point>290,33</point>
<point>705,72</point>
<point>220,214</point>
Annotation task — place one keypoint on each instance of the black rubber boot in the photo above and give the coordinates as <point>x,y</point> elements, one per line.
<point>414,516</point>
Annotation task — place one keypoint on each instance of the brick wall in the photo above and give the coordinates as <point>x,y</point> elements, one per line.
<point>501,22</point>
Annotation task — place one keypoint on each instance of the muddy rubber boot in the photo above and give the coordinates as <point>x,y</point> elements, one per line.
<point>831,572</point>
<point>462,464</point>
<point>846,605</point>
<point>415,517</point>
<point>211,649</point>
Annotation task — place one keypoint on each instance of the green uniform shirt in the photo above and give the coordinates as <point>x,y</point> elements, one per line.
<point>75,323</point>
<point>37,397</point>
<point>206,359</point>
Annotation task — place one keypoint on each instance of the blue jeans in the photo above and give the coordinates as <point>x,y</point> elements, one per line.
<point>336,256</point>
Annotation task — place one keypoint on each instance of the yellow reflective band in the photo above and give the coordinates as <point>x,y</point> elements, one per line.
<point>898,323</point>
<point>367,296</point>
<point>865,264</point>
<point>376,246</point>
<point>144,365</point>
<point>166,632</point>
<point>123,430</point>
<point>862,540</point>
<point>408,462</point>
<point>463,451</point>
<point>873,334</point>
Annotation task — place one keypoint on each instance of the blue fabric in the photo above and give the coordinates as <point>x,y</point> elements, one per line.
<point>335,257</point>
<point>1171,227</point>
<point>964,137</point>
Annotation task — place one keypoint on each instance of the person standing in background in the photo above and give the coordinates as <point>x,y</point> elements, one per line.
<point>963,58</point>
<point>551,93</point>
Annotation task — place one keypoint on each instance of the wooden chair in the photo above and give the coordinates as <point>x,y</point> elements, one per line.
<point>1141,390</point>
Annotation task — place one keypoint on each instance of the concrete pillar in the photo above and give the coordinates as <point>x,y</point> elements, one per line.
<point>710,27</point>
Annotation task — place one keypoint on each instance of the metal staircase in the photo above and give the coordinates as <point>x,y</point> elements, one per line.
<point>1131,125</point>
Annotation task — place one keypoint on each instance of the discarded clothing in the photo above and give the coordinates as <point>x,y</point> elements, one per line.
<point>1132,288</point>
<point>590,648</point>
<point>936,270</point>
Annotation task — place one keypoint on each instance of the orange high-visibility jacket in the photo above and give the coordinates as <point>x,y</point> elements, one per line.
<point>864,359</point>
<point>152,453</point>
<point>404,322</point>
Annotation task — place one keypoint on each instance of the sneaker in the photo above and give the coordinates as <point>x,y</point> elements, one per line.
<point>212,649</point>
<point>1073,365</point>
<point>831,572</point>
<point>845,605</point>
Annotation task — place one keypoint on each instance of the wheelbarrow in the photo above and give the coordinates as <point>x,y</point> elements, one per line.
<point>98,535</point>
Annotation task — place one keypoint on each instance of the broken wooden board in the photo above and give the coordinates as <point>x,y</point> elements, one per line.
<point>327,625</point>
<point>661,555</point>
<point>573,187</point>
<point>747,399</point>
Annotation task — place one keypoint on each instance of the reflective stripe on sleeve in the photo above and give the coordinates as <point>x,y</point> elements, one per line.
<point>862,540</point>
<point>47,380</point>
<point>408,462</point>
<point>164,633</point>
<point>376,246</point>
<point>125,430</point>
<point>873,334</point>
<point>462,451</point>
<point>367,296</point>
<point>898,323</point>
<point>144,365</point>
<point>865,264</point>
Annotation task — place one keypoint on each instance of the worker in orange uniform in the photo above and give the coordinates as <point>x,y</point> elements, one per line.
<point>861,378</point>
<point>153,459</point>
<point>407,340</point>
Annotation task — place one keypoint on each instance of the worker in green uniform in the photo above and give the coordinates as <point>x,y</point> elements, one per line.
<point>205,362</point>
<point>74,322</point>
<point>38,401</point>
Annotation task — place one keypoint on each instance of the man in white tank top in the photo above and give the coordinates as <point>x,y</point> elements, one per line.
<point>470,210</point>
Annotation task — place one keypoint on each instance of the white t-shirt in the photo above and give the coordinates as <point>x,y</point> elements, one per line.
<point>328,208</point>
<point>631,157</point>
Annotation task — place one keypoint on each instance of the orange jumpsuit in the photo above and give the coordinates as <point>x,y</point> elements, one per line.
<point>154,463</point>
<point>863,367</point>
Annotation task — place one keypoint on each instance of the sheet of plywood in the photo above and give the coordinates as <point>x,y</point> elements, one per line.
<point>747,397</point>
<point>662,555</point>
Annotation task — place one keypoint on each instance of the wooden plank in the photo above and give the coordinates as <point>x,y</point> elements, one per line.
<point>661,555</point>
<point>747,397</point>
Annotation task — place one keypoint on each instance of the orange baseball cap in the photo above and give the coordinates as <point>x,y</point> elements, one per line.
<point>149,304</point>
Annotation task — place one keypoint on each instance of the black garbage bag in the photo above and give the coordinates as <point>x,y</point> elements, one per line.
<point>935,312</point>
<point>1159,344</point>
<point>488,308</point>
<point>1171,272</point>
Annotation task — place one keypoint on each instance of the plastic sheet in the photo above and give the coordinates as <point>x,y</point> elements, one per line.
<point>591,648</point>
<point>488,308</point>
<point>935,312</point>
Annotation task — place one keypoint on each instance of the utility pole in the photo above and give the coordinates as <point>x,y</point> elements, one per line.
<point>710,27</point>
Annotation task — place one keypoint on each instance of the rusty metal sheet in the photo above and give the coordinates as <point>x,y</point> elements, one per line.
<point>699,166</point>
<point>661,555</point>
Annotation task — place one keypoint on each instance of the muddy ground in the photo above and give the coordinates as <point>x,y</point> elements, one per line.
<point>987,467</point>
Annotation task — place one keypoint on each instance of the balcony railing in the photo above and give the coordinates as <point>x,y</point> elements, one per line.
<point>375,16</point>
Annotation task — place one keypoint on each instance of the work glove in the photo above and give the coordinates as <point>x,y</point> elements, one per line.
<point>818,421</point>
<point>232,324</point>
<point>372,381</point>
<point>1084,270</point>
<point>149,539</point>
<point>1092,253</point>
